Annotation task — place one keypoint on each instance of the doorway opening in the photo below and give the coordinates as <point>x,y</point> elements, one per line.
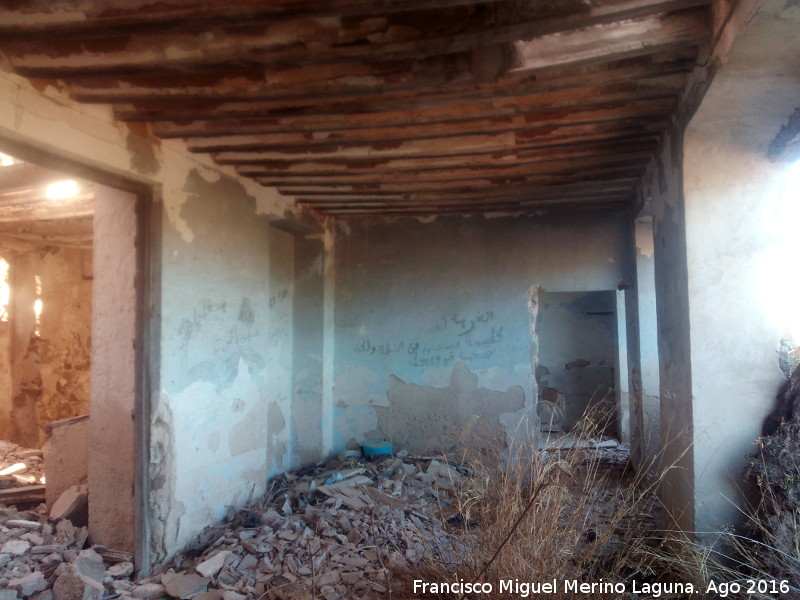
<point>71,339</point>
<point>577,362</point>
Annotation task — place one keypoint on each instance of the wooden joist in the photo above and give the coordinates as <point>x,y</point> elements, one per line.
<point>385,106</point>
<point>330,40</point>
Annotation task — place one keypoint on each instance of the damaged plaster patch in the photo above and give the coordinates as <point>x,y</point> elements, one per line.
<point>276,449</point>
<point>165,510</point>
<point>145,150</point>
<point>359,386</point>
<point>425,419</point>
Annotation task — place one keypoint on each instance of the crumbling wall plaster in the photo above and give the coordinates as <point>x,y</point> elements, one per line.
<point>433,321</point>
<point>226,360</point>
<point>224,350</point>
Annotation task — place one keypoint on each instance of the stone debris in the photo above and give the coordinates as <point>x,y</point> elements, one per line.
<point>20,467</point>
<point>71,504</point>
<point>334,531</point>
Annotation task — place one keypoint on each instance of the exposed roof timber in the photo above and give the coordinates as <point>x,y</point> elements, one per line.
<point>348,82</point>
<point>490,171</point>
<point>436,169</point>
<point>511,208</point>
<point>531,120</point>
<point>306,42</point>
<point>383,109</point>
<point>498,185</point>
<point>786,145</point>
<point>76,17</point>
<point>442,147</point>
<point>425,106</point>
<point>519,199</point>
<point>560,88</point>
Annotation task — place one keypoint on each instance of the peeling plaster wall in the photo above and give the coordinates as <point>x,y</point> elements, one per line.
<point>434,342</point>
<point>221,403</point>
<point>308,315</point>
<point>50,372</point>
<point>224,416</point>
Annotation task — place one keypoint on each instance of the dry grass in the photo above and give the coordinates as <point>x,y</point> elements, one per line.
<point>563,516</point>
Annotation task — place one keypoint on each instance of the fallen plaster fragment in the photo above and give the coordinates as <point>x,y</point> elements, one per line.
<point>213,565</point>
<point>184,585</point>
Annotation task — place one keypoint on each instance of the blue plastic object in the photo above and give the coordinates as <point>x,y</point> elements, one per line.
<point>377,447</point>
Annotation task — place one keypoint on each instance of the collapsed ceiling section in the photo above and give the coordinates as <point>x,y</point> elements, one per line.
<point>379,106</point>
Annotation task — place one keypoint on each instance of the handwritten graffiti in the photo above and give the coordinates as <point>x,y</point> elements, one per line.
<point>467,338</point>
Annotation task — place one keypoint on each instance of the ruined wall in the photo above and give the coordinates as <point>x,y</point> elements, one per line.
<point>577,355</point>
<point>224,416</point>
<point>221,372</point>
<point>434,321</point>
<point>307,364</point>
<point>741,228</point>
<point>49,367</point>
<point>722,254</point>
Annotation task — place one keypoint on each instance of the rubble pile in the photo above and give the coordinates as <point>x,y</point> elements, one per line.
<point>19,466</point>
<point>334,531</point>
<point>43,560</point>
<point>776,472</point>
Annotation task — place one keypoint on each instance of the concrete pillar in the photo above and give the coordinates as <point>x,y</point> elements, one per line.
<point>725,220</point>
<point>114,373</point>
<point>647,379</point>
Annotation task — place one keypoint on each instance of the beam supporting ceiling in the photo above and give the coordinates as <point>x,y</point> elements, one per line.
<point>386,106</point>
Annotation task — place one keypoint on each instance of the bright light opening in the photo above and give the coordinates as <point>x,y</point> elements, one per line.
<point>38,305</point>
<point>777,283</point>
<point>6,160</point>
<point>5,290</point>
<point>61,189</point>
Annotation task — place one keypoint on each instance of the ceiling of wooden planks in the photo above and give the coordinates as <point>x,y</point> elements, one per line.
<point>386,106</point>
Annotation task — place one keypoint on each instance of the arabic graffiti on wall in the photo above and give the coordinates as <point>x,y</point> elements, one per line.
<point>458,336</point>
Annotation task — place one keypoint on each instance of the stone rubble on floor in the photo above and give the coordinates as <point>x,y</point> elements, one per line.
<point>332,532</point>
<point>20,466</point>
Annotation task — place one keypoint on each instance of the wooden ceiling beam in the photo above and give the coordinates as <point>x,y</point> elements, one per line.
<point>656,74</point>
<point>443,147</point>
<point>519,199</point>
<point>433,169</point>
<point>489,171</point>
<point>287,166</point>
<point>78,18</point>
<point>521,124</point>
<point>580,189</point>
<point>489,208</point>
<point>333,40</point>
<point>586,172</point>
